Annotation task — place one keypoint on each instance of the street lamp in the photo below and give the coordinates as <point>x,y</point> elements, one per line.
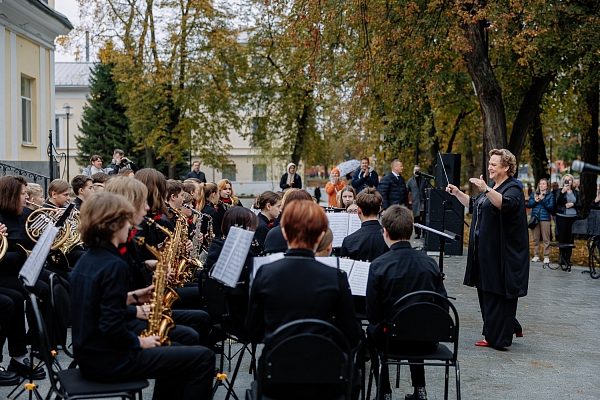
<point>67,109</point>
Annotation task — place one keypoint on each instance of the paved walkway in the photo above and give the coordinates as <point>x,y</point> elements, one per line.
<point>558,357</point>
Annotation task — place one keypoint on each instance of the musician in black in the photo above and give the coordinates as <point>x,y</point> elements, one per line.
<point>14,214</point>
<point>298,286</point>
<point>269,204</point>
<point>366,244</point>
<point>275,242</point>
<point>83,187</point>
<point>209,200</point>
<point>393,275</point>
<point>104,348</point>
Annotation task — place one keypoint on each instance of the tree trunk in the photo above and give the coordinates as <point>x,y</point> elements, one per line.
<point>528,111</point>
<point>487,87</point>
<point>303,123</point>
<point>589,148</point>
<point>537,149</point>
<point>150,158</point>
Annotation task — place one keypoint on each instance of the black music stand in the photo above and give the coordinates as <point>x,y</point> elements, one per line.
<point>442,236</point>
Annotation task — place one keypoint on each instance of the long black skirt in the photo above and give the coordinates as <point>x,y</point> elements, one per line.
<point>498,315</point>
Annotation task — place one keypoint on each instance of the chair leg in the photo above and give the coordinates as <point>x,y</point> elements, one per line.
<point>397,376</point>
<point>457,368</point>
<point>446,380</point>
<point>370,382</point>
<point>235,372</point>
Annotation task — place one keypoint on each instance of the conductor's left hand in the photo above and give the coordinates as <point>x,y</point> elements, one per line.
<point>480,183</point>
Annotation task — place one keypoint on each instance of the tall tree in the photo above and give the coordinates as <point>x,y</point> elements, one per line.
<point>104,125</point>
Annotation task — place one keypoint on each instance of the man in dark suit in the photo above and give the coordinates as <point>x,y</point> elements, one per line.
<point>366,244</point>
<point>196,173</point>
<point>416,187</point>
<point>364,177</point>
<point>393,275</point>
<point>393,188</point>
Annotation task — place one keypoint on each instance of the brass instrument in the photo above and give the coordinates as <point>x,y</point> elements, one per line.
<point>159,320</point>
<point>197,252</point>
<point>3,246</point>
<point>186,267</point>
<point>38,221</point>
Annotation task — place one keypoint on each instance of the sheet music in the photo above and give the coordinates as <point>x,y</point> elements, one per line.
<point>35,262</point>
<point>231,261</point>
<point>260,261</point>
<point>329,261</point>
<point>338,223</point>
<point>346,265</point>
<point>354,223</point>
<point>358,278</point>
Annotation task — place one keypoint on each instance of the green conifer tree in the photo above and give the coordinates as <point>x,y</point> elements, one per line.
<point>104,126</point>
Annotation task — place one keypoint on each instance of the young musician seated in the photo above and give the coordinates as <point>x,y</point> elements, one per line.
<point>393,275</point>
<point>298,286</point>
<point>366,244</point>
<point>83,187</point>
<point>275,242</point>
<point>269,204</point>
<point>104,348</point>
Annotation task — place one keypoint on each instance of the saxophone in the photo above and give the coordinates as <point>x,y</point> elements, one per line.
<point>159,320</point>
<point>185,266</point>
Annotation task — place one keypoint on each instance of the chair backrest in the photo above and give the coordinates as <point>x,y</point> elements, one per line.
<point>423,316</point>
<point>46,351</point>
<point>306,359</point>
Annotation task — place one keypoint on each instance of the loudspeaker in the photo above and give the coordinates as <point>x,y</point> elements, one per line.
<point>451,162</point>
<point>453,218</point>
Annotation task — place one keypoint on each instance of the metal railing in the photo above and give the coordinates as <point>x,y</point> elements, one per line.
<point>30,176</point>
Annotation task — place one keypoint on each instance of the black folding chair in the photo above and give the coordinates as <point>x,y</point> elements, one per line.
<point>216,301</point>
<point>70,383</point>
<point>422,317</point>
<point>304,359</point>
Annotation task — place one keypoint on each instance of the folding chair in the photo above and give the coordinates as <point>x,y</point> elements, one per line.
<point>304,359</point>
<point>70,383</point>
<point>217,305</point>
<point>422,317</point>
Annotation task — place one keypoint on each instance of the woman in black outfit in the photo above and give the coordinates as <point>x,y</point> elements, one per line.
<point>209,199</point>
<point>568,207</point>
<point>269,204</point>
<point>13,214</point>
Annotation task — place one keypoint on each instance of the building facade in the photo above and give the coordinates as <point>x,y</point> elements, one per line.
<point>28,29</point>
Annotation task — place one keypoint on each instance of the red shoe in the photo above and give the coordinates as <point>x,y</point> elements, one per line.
<point>482,343</point>
<point>519,334</point>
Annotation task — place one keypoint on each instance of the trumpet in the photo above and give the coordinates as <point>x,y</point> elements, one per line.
<point>3,246</point>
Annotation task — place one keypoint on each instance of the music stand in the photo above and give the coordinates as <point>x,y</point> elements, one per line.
<point>29,275</point>
<point>442,236</point>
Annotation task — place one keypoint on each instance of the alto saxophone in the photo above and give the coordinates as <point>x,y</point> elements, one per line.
<point>185,266</point>
<point>159,320</point>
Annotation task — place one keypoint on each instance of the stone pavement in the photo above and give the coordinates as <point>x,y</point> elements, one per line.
<point>558,357</point>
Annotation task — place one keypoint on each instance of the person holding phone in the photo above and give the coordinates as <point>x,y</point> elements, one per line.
<point>119,162</point>
<point>541,203</point>
<point>568,206</point>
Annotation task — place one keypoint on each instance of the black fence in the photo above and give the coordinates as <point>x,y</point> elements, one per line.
<point>30,176</point>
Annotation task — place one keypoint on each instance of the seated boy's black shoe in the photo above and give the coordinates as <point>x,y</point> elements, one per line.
<point>8,378</point>
<point>419,394</point>
<point>23,369</point>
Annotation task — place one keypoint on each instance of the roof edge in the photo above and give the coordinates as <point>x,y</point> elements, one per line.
<point>51,12</point>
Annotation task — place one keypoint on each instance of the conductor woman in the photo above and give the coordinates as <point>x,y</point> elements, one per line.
<point>498,258</point>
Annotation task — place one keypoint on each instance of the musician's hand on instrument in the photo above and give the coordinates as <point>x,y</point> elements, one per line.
<point>3,229</point>
<point>142,312</point>
<point>480,183</point>
<point>143,295</point>
<point>151,264</point>
<point>149,342</point>
<point>170,274</point>
<point>453,190</point>
<point>188,246</point>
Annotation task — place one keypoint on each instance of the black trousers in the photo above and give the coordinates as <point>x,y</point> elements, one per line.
<point>418,220</point>
<point>12,322</point>
<point>376,341</point>
<point>181,372</point>
<point>563,226</point>
<point>499,318</point>
<point>191,327</point>
<point>189,298</point>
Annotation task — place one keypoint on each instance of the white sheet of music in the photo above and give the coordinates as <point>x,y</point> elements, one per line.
<point>231,261</point>
<point>354,223</point>
<point>346,265</point>
<point>338,223</point>
<point>329,261</point>
<point>36,260</point>
<point>358,278</point>
<point>260,261</point>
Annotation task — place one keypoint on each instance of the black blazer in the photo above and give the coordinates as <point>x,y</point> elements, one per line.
<point>262,229</point>
<point>198,175</point>
<point>275,242</point>
<point>393,191</point>
<point>366,244</point>
<point>300,287</point>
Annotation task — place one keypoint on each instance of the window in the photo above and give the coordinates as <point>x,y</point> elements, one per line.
<point>26,110</point>
<point>57,133</point>
<point>259,172</point>
<point>229,172</point>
